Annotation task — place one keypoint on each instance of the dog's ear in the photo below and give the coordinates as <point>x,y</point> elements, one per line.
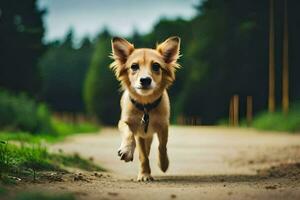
<point>169,49</point>
<point>121,49</point>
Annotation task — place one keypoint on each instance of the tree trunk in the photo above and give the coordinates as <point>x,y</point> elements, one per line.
<point>285,67</point>
<point>271,61</point>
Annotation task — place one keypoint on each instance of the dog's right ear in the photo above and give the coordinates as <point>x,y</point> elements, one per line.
<point>121,49</point>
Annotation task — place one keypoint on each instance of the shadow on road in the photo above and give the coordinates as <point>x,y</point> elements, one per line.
<point>290,171</point>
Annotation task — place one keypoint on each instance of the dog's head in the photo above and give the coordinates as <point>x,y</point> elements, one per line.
<point>145,72</point>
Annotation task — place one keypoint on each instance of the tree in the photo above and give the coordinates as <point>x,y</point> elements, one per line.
<point>101,90</point>
<point>21,33</point>
<point>63,70</point>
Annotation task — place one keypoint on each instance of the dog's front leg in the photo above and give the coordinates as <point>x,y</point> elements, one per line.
<point>144,150</point>
<point>127,147</point>
<point>163,162</point>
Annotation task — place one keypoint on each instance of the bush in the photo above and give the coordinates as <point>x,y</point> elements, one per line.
<point>278,121</point>
<point>19,112</point>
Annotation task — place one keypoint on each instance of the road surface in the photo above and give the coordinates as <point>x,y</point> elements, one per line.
<point>205,163</point>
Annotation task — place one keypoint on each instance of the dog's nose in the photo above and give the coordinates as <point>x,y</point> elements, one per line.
<point>145,81</point>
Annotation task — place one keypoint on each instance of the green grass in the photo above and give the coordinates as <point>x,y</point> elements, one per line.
<point>29,156</point>
<point>62,130</point>
<point>278,121</point>
<point>27,159</point>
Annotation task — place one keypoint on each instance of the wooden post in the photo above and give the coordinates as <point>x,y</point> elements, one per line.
<point>249,112</point>
<point>271,100</point>
<point>231,112</point>
<point>235,110</point>
<point>285,66</point>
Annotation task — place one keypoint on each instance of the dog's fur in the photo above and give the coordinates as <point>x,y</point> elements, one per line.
<point>125,56</point>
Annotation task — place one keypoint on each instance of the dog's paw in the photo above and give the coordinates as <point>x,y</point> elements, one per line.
<point>163,162</point>
<point>126,152</point>
<point>145,178</point>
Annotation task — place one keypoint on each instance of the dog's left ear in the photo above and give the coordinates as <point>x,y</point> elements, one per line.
<point>169,49</point>
<point>121,49</point>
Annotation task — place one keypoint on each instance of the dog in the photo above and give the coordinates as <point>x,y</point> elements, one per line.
<point>145,75</point>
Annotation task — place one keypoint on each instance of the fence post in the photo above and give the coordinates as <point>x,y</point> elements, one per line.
<point>231,112</point>
<point>235,110</point>
<point>249,112</point>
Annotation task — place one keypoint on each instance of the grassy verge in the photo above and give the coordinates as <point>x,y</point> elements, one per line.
<point>62,130</point>
<point>27,160</point>
<point>278,121</point>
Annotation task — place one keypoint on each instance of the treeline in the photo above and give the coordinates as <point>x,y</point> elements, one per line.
<point>224,52</point>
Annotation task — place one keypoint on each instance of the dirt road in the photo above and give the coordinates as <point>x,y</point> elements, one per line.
<point>205,163</point>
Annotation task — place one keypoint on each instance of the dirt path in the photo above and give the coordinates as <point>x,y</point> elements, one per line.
<point>205,163</point>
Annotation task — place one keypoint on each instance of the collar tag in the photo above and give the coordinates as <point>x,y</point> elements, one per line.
<point>146,108</point>
<point>145,121</point>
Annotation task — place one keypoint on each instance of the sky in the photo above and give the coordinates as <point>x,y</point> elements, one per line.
<point>121,17</point>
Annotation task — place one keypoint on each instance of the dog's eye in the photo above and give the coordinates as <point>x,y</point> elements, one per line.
<point>135,67</point>
<point>155,67</point>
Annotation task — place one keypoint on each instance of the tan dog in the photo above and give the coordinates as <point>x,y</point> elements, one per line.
<point>145,74</point>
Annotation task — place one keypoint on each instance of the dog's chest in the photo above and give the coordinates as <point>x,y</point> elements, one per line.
<point>155,122</point>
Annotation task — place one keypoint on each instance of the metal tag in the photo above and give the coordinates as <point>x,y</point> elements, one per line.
<point>145,121</point>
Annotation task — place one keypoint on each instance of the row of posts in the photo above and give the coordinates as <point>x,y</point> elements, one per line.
<point>234,110</point>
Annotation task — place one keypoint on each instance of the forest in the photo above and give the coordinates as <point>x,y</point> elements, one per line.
<point>235,104</point>
<point>225,52</point>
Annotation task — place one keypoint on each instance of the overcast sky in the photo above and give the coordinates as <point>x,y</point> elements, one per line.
<point>88,17</point>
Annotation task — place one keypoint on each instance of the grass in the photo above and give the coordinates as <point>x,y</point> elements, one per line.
<point>279,121</point>
<point>276,121</point>
<point>28,159</point>
<point>62,130</point>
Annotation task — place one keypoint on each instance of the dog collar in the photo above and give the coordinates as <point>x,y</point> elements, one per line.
<point>146,108</point>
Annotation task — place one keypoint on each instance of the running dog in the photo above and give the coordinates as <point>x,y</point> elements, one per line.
<point>145,75</point>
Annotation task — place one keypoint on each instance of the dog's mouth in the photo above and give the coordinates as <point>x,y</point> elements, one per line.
<point>144,88</point>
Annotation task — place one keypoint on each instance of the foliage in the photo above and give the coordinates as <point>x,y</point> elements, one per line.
<point>278,121</point>
<point>67,128</point>
<point>63,69</point>
<point>62,130</point>
<point>101,88</point>
<point>19,112</point>
<point>21,32</point>
<point>224,52</point>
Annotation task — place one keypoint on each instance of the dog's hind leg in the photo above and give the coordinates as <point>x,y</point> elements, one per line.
<point>163,161</point>
<point>144,150</point>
